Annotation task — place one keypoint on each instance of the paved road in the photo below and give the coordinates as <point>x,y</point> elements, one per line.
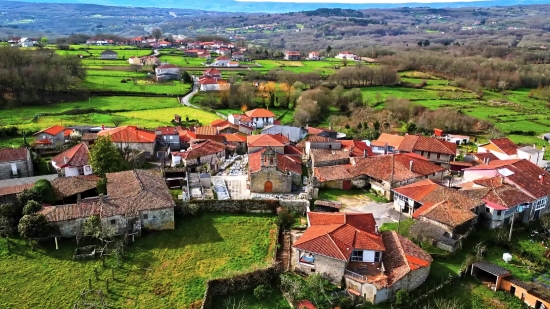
<point>186,99</point>
<point>382,212</point>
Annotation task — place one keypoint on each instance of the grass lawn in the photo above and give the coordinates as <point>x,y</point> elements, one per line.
<point>275,300</point>
<point>114,83</point>
<point>12,142</point>
<point>333,194</point>
<point>162,117</point>
<point>404,226</point>
<point>166,269</point>
<point>183,61</point>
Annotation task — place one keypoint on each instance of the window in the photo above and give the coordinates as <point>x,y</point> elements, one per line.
<point>422,153</point>
<point>377,256</point>
<point>357,256</point>
<point>499,212</point>
<point>113,221</point>
<point>145,216</point>
<point>438,156</point>
<point>540,204</point>
<point>487,210</point>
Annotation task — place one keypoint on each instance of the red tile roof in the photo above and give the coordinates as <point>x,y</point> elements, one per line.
<point>317,131</point>
<point>167,130</point>
<point>332,173</point>
<point>206,130</point>
<point>264,140</point>
<point>67,132</point>
<point>76,156</point>
<point>259,112</point>
<point>208,81</point>
<point>69,186</point>
<point>356,148</point>
<point>284,163</point>
<point>305,304</point>
<point>394,167</point>
<point>392,140</point>
<point>411,143</point>
<point>506,145</point>
<point>445,212</point>
<point>129,134</point>
<point>206,148</point>
<point>418,190</point>
<point>293,150</point>
<point>235,137</point>
<point>326,155</point>
<point>167,66</point>
<point>292,53</point>
<point>13,154</point>
<point>53,130</point>
<point>336,234</point>
<point>525,176</point>
<point>482,156</point>
<point>15,189</point>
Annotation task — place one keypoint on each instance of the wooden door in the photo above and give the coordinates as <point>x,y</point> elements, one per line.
<point>268,187</point>
<point>346,185</point>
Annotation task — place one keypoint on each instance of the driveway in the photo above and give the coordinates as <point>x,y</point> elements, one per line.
<point>185,100</point>
<point>382,212</point>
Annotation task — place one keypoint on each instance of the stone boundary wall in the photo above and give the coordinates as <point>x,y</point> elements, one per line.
<point>247,206</point>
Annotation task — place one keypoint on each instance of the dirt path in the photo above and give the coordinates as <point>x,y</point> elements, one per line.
<point>283,254</point>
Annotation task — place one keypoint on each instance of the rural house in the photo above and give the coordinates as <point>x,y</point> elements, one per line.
<point>52,136</point>
<point>436,150</point>
<point>108,55</point>
<point>135,199</point>
<point>221,61</point>
<point>346,55</point>
<point>204,155</point>
<point>294,134</point>
<point>292,55</point>
<point>128,138</point>
<point>271,171</point>
<point>73,189</point>
<point>15,163</point>
<point>502,148</point>
<point>73,161</point>
<point>133,60</point>
<point>260,117</point>
<point>348,248</point>
<point>533,155</point>
<point>9,188</point>
<point>169,137</point>
<point>502,200</point>
<point>213,84</point>
<point>168,72</point>
<point>314,56</point>
<point>386,143</point>
<point>522,174</point>
<point>328,157</point>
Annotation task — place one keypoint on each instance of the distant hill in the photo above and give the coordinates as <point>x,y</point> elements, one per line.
<point>282,7</point>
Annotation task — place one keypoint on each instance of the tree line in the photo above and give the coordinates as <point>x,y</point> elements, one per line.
<point>36,77</point>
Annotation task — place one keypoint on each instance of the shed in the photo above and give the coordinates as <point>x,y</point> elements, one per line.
<point>489,273</point>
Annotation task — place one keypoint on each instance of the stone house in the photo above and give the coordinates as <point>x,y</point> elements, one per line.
<point>502,200</point>
<point>271,171</point>
<point>328,157</point>
<point>108,55</point>
<point>383,173</point>
<point>207,154</point>
<point>52,136</point>
<point>132,138</point>
<point>436,150</point>
<point>502,148</point>
<point>73,189</point>
<point>15,163</point>
<point>136,199</point>
<point>318,142</point>
<point>73,161</point>
<point>524,175</point>
<point>333,177</point>
<point>348,248</point>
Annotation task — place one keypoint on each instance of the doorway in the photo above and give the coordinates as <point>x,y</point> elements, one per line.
<point>513,290</point>
<point>268,187</point>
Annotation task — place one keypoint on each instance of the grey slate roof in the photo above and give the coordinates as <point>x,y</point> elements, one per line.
<point>493,269</point>
<point>25,180</point>
<point>530,150</point>
<point>294,134</point>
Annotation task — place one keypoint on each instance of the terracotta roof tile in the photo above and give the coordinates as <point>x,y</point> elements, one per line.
<point>445,212</point>
<point>392,140</point>
<point>284,163</point>
<point>336,234</point>
<point>264,140</point>
<point>411,143</point>
<point>259,112</point>
<point>76,156</point>
<point>320,156</point>
<point>13,154</point>
<point>167,130</point>
<point>356,148</point>
<point>129,134</point>
<point>417,190</point>
<point>89,137</point>
<point>331,173</point>
<point>68,186</point>
<point>198,150</point>
<point>394,167</point>
<point>505,145</point>
<point>53,130</point>
<point>235,137</point>
<point>206,130</point>
<point>15,189</point>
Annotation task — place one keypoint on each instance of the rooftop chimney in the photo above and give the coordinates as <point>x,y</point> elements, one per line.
<point>411,165</point>
<point>102,127</point>
<point>376,229</point>
<point>66,160</point>
<point>364,153</point>
<point>534,145</point>
<point>541,177</point>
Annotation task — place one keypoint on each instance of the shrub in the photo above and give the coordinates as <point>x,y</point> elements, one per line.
<point>284,218</point>
<point>123,81</point>
<point>401,299</point>
<point>44,188</point>
<point>262,291</point>
<point>32,207</point>
<point>345,303</point>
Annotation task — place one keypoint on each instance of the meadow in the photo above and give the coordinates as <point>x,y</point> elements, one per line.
<point>325,67</point>
<point>149,112</point>
<point>113,83</point>
<point>166,269</point>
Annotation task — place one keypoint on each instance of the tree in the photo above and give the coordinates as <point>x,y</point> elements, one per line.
<point>102,186</point>
<point>284,218</point>
<point>545,221</point>
<point>32,207</point>
<point>329,49</point>
<point>402,299</point>
<point>426,43</point>
<point>35,226</point>
<point>93,226</point>
<point>156,33</point>
<point>186,77</point>
<point>420,43</point>
<point>106,158</point>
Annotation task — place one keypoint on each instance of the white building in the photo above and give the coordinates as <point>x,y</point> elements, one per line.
<point>73,161</point>
<point>221,61</point>
<point>314,56</point>
<point>346,55</point>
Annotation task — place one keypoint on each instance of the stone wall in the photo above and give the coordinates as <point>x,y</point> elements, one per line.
<point>22,169</point>
<point>282,183</point>
<point>161,219</point>
<point>330,268</point>
<point>246,206</point>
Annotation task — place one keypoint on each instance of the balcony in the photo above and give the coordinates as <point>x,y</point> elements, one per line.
<point>356,276</point>
<point>364,271</point>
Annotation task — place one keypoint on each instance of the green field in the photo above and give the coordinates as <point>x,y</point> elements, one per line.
<point>183,61</point>
<point>275,300</point>
<point>324,67</point>
<point>164,270</point>
<point>114,83</point>
<point>148,112</point>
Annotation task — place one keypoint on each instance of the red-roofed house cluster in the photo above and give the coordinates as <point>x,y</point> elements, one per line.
<point>211,80</point>
<point>374,265</point>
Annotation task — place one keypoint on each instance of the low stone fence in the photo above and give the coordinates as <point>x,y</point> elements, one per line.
<point>245,206</point>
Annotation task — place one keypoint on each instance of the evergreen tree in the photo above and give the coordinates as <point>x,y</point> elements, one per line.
<point>105,157</point>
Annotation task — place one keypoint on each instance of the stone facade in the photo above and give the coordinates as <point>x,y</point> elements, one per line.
<point>437,158</point>
<point>148,148</point>
<point>159,219</point>
<point>330,268</point>
<point>281,182</point>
